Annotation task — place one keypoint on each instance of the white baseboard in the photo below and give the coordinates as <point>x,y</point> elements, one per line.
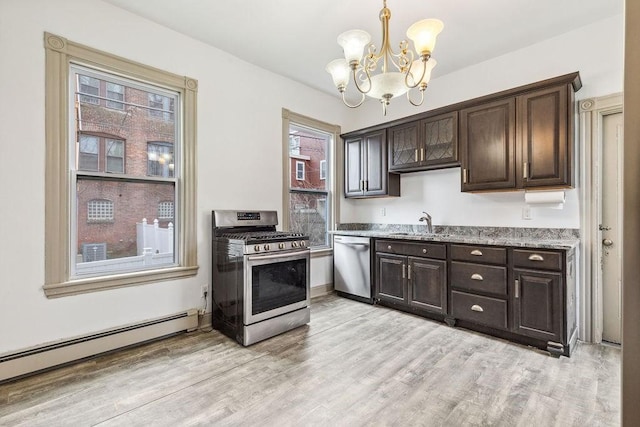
<point>318,291</point>
<point>35,359</point>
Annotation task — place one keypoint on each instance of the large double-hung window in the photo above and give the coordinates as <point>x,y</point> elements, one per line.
<point>107,175</point>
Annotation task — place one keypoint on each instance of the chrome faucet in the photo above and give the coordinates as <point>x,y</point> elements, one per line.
<point>427,218</point>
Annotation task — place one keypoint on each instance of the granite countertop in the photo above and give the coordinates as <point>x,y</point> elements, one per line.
<point>536,240</point>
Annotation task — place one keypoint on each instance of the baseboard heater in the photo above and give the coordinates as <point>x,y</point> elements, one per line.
<point>30,361</point>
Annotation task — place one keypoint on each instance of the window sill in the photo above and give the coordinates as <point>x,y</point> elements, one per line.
<point>94,284</point>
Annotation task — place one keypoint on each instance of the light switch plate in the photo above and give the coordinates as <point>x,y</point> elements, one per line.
<point>526,212</point>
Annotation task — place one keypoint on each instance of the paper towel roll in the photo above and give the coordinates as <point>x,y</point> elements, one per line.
<point>549,199</point>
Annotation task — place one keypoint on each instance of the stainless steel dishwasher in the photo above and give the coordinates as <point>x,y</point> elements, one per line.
<point>352,267</point>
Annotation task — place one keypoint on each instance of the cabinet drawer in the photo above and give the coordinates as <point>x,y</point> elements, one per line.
<point>483,310</point>
<point>478,277</point>
<point>545,260</point>
<point>483,254</point>
<point>425,250</point>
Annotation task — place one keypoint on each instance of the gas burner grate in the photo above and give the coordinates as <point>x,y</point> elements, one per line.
<point>262,235</point>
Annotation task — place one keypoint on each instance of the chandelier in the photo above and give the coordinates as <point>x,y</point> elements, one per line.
<point>385,74</point>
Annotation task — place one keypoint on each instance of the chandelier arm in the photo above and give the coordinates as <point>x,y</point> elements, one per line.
<point>402,56</point>
<point>406,76</point>
<point>352,106</point>
<point>355,80</point>
<point>421,97</point>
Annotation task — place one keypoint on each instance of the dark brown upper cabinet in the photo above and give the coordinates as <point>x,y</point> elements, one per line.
<point>520,138</point>
<point>366,173</point>
<point>429,143</point>
<point>545,121</point>
<point>488,145</point>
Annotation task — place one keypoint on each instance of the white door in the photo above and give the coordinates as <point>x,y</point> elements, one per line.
<point>611,227</point>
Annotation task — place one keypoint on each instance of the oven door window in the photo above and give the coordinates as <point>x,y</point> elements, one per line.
<point>278,284</point>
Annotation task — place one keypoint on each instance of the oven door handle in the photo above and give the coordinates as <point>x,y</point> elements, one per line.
<point>277,255</point>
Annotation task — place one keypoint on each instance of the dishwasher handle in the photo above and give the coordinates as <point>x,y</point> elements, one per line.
<point>352,244</point>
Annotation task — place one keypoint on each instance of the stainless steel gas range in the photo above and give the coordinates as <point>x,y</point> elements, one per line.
<point>260,284</point>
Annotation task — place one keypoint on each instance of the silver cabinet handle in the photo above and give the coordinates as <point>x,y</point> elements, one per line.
<point>389,247</point>
<point>422,154</point>
<point>464,175</point>
<point>517,293</point>
<point>476,276</point>
<point>403,270</point>
<point>366,185</point>
<point>409,272</point>
<point>525,170</point>
<point>476,252</point>
<point>424,251</point>
<point>416,155</point>
<point>536,257</point>
<point>476,307</point>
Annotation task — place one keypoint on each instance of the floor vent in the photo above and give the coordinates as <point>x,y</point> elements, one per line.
<point>26,362</point>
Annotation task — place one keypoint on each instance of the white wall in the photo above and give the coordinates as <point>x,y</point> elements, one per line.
<point>596,51</point>
<point>239,152</point>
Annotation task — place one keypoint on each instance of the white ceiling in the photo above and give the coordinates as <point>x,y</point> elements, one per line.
<point>297,38</point>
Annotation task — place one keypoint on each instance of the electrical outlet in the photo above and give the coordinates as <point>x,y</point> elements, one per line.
<point>526,212</point>
<point>383,211</point>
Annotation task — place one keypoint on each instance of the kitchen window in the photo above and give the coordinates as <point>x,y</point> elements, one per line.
<point>309,187</point>
<point>98,165</point>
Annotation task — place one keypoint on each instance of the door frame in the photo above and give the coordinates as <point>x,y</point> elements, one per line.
<point>591,136</point>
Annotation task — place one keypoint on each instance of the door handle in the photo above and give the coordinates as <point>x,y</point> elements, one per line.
<point>476,307</point>
<point>607,242</point>
<point>403,270</point>
<point>536,257</point>
<point>422,154</point>
<point>476,252</point>
<point>476,276</point>
<point>416,156</point>
<point>464,175</point>
<point>525,170</point>
<point>409,272</point>
<point>517,290</point>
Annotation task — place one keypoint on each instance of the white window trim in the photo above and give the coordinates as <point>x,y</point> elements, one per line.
<point>300,171</point>
<point>59,54</point>
<point>334,157</point>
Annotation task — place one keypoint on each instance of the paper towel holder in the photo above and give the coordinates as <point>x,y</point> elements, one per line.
<point>553,199</point>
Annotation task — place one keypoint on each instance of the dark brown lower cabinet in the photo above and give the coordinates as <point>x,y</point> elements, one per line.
<point>412,282</point>
<point>392,285</point>
<point>537,304</point>
<point>427,284</point>
<point>520,294</point>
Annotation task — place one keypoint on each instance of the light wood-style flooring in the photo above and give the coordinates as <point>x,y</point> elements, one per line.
<point>353,365</point>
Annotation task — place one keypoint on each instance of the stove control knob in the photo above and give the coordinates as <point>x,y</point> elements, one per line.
<point>294,244</point>
<point>303,243</point>
<point>267,247</point>
<point>256,248</point>
<point>281,245</point>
